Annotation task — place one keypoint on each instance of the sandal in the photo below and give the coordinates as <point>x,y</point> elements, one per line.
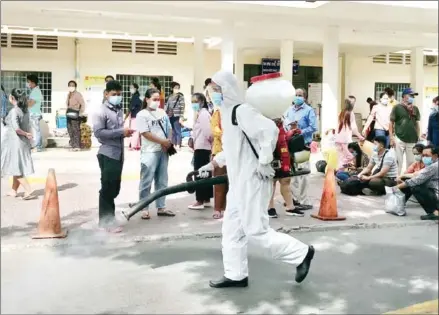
<point>146,216</point>
<point>12,194</point>
<point>165,213</point>
<point>29,197</point>
<point>217,214</point>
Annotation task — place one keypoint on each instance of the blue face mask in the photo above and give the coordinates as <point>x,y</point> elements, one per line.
<point>427,160</point>
<point>115,100</point>
<point>354,154</point>
<point>195,107</point>
<point>299,100</point>
<point>217,98</point>
<point>410,100</point>
<point>375,148</point>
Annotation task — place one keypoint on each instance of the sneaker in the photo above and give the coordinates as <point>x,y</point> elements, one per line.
<point>295,213</point>
<point>196,207</point>
<point>207,205</point>
<point>303,207</point>
<point>430,216</point>
<point>272,213</point>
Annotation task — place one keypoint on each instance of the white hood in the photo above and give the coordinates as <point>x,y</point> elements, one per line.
<point>232,94</point>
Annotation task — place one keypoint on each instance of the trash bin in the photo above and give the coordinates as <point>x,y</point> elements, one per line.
<point>61,119</point>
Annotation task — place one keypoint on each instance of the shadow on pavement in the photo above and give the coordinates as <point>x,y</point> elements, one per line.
<point>346,277</point>
<point>40,192</point>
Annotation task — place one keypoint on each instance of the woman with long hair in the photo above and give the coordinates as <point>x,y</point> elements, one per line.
<point>153,125</point>
<point>16,159</point>
<point>203,138</point>
<point>343,136</point>
<point>135,107</point>
<point>360,161</point>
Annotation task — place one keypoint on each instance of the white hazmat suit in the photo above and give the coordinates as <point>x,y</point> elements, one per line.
<point>250,188</point>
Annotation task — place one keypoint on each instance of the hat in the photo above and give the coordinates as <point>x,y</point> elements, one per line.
<point>409,91</point>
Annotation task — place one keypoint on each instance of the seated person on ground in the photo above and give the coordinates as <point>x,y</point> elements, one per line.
<point>361,161</point>
<point>382,169</point>
<point>425,184</point>
<point>418,165</point>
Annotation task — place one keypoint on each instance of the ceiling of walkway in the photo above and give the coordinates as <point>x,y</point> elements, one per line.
<point>255,26</point>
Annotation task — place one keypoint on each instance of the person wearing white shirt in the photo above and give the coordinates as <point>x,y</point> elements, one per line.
<point>381,115</point>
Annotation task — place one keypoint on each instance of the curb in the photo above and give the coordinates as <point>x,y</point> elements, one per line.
<point>103,239</point>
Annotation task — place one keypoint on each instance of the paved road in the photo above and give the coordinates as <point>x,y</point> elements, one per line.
<point>354,272</point>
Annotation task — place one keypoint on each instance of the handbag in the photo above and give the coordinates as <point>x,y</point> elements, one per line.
<point>190,143</point>
<point>72,114</point>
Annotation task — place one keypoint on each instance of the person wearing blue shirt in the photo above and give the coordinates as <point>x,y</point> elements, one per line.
<point>34,103</point>
<point>304,116</point>
<point>433,124</point>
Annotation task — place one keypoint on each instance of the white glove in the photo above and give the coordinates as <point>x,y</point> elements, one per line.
<point>203,172</point>
<point>265,172</point>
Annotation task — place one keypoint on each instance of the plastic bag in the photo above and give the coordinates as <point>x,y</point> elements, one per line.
<point>395,203</point>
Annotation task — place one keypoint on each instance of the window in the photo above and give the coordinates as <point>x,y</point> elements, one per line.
<point>397,87</point>
<point>17,79</point>
<point>143,81</point>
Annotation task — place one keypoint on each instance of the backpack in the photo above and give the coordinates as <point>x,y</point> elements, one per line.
<point>321,166</point>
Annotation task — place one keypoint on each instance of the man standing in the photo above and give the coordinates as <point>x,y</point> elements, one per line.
<point>34,103</point>
<point>175,107</point>
<point>404,128</point>
<point>108,127</point>
<point>305,117</point>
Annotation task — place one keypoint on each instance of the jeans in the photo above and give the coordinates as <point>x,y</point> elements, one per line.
<point>341,175</point>
<point>36,130</point>
<point>153,166</point>
<point>111,176</point>
<point>424,195</point>
<point>380,132</point>
<point>176,130</point>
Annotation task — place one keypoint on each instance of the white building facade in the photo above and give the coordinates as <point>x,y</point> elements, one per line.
<point>333,49</point>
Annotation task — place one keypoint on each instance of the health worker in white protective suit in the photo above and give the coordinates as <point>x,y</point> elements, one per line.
<point>250,184</point>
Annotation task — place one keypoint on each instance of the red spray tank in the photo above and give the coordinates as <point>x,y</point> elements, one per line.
<point>282,148</point>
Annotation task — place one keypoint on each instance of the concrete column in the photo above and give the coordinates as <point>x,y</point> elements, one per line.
<point>286,59</point>
<point>198,65</point>
<point>417,84</point>
<point>330,93</point>
<point>239,66</point>
<point>227,47</point>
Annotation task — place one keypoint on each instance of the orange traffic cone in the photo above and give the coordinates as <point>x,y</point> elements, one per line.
<point>328,203</point>
<point>50,221</point>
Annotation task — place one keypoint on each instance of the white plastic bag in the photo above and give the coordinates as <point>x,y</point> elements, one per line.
<point>395,202</point>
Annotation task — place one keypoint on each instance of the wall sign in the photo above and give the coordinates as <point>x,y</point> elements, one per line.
<point>271,65</point>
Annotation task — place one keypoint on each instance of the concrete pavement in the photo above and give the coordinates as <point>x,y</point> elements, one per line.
<point>78,182</point>
<point>354,272</point>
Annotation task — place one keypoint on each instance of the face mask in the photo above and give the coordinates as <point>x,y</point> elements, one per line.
<point>427,160</point>
<point>410,100</point>
<point>28,85</point>
<point>299,100</point>
<point>196,107</point>
<point>375,148</point>
<point>434,108</point>
<point>176,91</point>
<point>115,100</point>
<point>384,101</point>
<point>153,104</point>
<point>132,91</point>
<point>354,154</point>
<point>418,157</point>
<point>217,98</point>
<point>71,88</point>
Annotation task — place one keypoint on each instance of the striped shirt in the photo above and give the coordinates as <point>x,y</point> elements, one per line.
<point>428,175</point>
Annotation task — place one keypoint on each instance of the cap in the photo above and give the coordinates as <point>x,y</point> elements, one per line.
<point>409,91</point>
<point>263,77</point>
